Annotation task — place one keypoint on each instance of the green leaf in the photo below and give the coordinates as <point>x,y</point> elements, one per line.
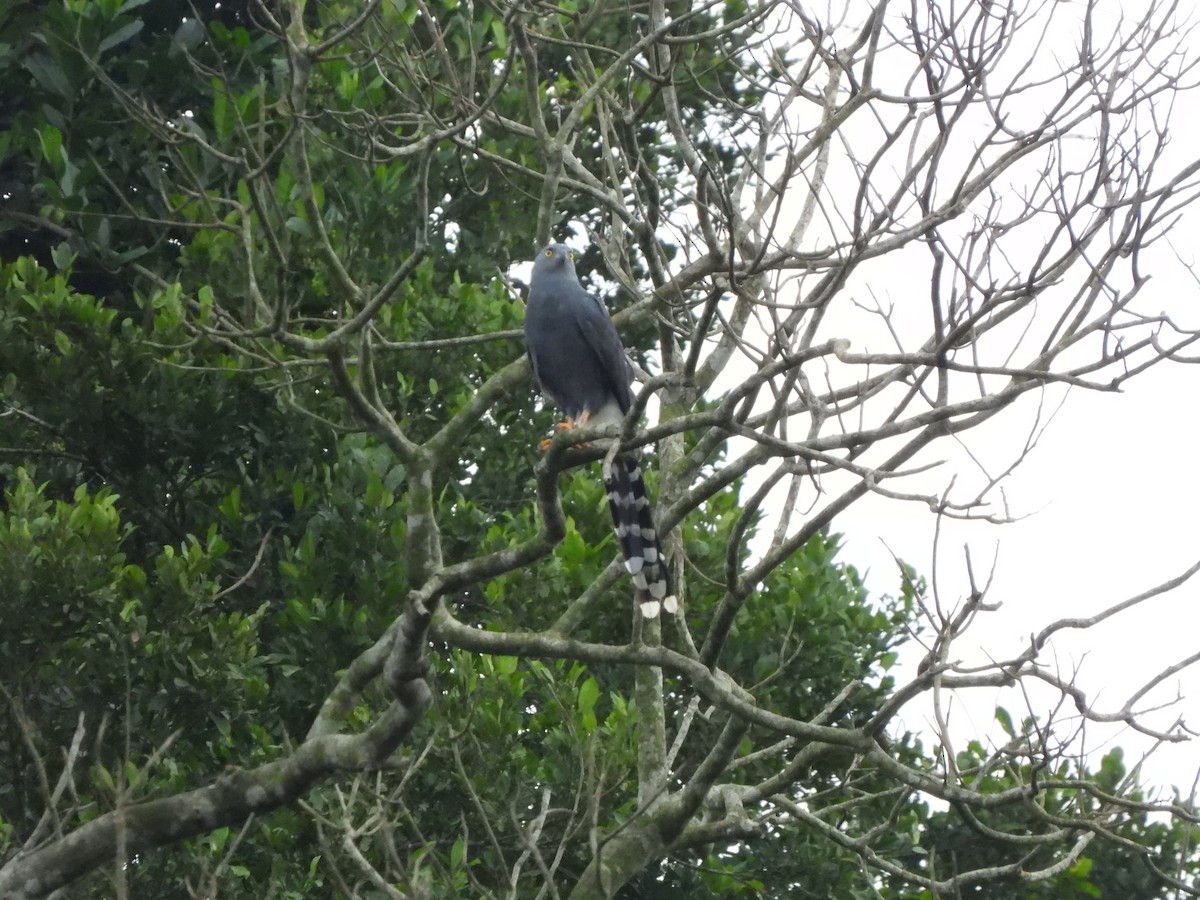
<point>588,692</point>
<point>1083,867</point>
<point>188,36</point>
<point>499,35</point>
<point>63,256</point>
<point>299,226</point>
<point>52,141</point>
<point>395,477</point>
<point>231,506</point>
<point>222,117</point>
<point>121,35</point>
<point>407,11</point>
<point>49,74</point>
<point>206,300</point>
<point>70,173</point>
<point>1005,721</point>
<point>348,85</point>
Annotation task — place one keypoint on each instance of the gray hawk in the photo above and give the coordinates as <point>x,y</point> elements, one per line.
<point>580,366</point>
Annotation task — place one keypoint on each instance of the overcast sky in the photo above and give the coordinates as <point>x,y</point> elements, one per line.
<point>1107,501</point>
<point>1110,498</point>
<point>1107,504</point>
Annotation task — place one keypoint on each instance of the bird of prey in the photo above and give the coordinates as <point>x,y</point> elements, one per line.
<point>580,367</point>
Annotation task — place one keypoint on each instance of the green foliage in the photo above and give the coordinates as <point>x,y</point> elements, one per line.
<point>139,653</point>
<point>171,585</point>
<point>952,843</point>
<point>228,656</point>
<point>198,536</point>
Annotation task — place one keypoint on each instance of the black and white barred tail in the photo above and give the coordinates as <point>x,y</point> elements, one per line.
<point>637,535</point>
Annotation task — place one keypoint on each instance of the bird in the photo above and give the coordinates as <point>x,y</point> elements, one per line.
<point>580,366</point>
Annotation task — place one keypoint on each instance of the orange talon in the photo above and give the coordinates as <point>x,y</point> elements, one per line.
<point>565,425</point>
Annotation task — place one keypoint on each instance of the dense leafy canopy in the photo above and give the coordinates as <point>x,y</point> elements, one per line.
<point>265,414</point>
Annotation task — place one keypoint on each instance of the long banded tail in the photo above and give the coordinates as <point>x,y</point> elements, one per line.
<point>637,535</point>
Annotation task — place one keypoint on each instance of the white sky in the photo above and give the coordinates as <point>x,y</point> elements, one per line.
<point>1111,498</point>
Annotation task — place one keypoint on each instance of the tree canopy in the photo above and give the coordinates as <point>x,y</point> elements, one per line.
<point>293,604</point>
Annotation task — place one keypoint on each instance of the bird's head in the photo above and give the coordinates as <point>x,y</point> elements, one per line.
<point>555,258</point>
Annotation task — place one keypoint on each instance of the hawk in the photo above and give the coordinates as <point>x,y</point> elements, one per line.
<point>580,366</point>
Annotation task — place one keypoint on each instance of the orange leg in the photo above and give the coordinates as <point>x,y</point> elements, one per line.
<point>565,425</point>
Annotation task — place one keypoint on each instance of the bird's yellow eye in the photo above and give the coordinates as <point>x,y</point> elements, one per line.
<point>571,255</point>
<point>549,253</point>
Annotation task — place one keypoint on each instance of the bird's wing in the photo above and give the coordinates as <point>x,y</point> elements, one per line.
<point>531,350</point>
<point>602,339</point>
